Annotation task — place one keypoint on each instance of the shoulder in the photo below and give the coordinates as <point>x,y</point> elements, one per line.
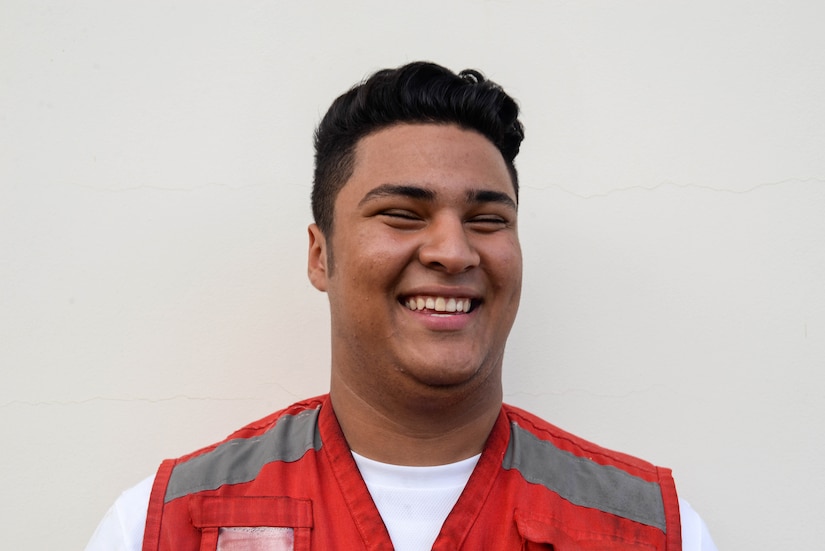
<point>294,422</point>
<point>537,447</point>
<point>285,435</point>
<point>121,529</point>
<point>695,533</point>
<point>524,423</point>
<point>588,475</point>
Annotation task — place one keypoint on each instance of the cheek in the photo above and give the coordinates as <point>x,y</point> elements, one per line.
<point>381,255</point>
<point>368,266</point>
<point>504,260</point>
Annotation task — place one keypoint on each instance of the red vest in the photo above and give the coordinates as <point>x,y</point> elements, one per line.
<point>289,481</point>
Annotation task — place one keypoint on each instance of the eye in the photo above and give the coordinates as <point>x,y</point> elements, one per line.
<point>401,218</point>
<point>401,213</point>
<point>488,222</point>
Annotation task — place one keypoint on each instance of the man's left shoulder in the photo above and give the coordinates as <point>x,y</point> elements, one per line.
<point>524,423</point>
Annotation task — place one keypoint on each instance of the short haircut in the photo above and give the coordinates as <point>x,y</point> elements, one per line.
<point>419,92</point>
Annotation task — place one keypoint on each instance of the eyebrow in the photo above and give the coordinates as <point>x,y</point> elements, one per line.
<point>423,194</point>
<point>390,190</point>
<point>488,196</point>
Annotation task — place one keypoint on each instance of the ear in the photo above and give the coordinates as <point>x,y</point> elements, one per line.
<point>317,258</point>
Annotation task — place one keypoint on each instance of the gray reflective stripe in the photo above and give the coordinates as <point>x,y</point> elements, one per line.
<point>584,482</point>
<point>240,460</point>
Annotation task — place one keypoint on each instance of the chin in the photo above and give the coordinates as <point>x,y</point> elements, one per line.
<point>446,380</point>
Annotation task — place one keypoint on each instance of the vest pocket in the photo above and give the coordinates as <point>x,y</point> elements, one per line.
<point>252,523</point>
<point>546,533</point>
<point>261,538</point>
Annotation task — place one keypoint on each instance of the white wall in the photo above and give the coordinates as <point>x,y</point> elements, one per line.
<point>155,168</point>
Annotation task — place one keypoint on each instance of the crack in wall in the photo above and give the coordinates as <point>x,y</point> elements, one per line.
<point>665,184</point>
<point>127,399</point>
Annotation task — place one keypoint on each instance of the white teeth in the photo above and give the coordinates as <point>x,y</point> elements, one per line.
<point>439,304</point>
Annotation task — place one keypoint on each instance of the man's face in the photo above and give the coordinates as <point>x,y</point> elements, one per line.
<point>427,263</point>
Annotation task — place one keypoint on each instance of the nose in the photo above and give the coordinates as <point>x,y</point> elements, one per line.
<point>447,246</point>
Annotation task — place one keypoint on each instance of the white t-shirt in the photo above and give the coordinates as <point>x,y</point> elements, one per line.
<point>410,515</point>
<point>414,502</point>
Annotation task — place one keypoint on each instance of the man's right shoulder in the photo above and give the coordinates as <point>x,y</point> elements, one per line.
<point>261,426</point>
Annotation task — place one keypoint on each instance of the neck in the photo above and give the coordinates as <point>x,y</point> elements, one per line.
<point>423,430</point>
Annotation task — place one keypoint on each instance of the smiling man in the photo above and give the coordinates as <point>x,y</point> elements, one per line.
<point>415,242</point>
<point>427,221</point>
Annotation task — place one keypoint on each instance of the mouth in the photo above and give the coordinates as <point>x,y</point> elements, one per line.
<point>439,304</point>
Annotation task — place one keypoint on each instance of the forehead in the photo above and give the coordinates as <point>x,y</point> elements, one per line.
<point>440,155</point>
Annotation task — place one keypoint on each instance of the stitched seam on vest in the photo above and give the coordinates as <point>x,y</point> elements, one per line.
<point>241,459</point>
<point>584,482</point>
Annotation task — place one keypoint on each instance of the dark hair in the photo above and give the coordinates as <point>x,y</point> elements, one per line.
<point>419,92</point>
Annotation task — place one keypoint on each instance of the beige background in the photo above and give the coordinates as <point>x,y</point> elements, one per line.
<point>155,169</point>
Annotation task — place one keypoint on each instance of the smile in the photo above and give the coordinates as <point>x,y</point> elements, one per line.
<point>439,304</point>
